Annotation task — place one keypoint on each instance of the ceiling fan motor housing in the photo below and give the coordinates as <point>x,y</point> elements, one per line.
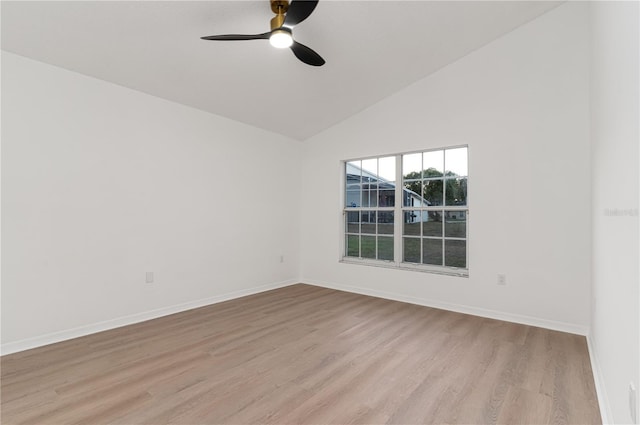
<point>279,7</point>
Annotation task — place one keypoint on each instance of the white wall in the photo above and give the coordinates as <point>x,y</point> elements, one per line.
<point>101,184</point>
<point>521,103</point>
<point>615,323</point>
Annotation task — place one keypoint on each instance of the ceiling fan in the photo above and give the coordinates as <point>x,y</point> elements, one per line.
<point>288,15</point>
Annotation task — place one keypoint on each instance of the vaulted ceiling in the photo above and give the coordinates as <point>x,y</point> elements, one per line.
<point>372,49</point>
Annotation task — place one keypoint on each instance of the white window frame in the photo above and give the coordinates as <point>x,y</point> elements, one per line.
<point>398,211</point>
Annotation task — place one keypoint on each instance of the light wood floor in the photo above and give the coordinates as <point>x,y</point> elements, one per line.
<point>304,354</point>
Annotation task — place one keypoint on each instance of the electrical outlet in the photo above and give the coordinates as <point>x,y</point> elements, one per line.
<point>633,404</point>
<point>502,279</point>
<point>149,277</point>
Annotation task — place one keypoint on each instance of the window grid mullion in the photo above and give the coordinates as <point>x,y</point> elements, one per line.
<point>398,218</point>
<point>375,238</point>
<point>444,202</point>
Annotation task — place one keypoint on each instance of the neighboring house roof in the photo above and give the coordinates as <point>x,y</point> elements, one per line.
<point>354,170</point>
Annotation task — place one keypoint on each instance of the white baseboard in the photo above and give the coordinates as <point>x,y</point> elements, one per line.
<point>51,338</point>
<point>459,308</point>
<point>39,341</point>
<point>603,400</point>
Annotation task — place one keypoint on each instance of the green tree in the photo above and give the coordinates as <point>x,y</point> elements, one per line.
<point>456,191</point>
<point>433,190</point>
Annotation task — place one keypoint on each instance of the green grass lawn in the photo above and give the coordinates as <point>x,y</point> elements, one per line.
<point>455,252</point>
<point>415,249</point>
<point>452,228</point>
<point>381,248</point>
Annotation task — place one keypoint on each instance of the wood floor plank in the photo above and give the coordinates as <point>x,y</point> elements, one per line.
<point>524,407</point>
<point>305,354</point>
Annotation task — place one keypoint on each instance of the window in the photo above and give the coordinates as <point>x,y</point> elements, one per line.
<point>426,229</point>
<point>370,193</point>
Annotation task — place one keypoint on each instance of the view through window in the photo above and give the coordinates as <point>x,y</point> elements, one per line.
<point>431,187</point>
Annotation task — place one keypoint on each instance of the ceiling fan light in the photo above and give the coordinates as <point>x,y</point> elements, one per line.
<point>281,39</point>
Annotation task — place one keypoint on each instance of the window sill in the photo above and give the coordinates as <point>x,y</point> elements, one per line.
<point>448,271</point>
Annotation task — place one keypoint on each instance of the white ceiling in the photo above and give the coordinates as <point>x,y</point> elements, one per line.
<point>372,49</point>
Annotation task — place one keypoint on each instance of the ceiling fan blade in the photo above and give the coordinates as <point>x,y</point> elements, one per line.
<point>306,55</point>
<point>235,37</point>
<point>298,11</point>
